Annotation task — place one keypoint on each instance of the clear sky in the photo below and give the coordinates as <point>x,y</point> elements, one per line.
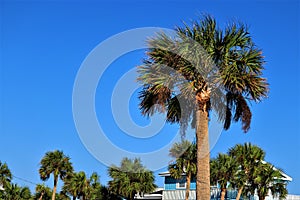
<point>43,44</point>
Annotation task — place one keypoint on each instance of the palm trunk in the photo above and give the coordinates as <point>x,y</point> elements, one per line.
<point>54,188</point>
<point>203,155</point>
<point>41,197</point>
<point>188,185</point>
<point>223,193</point>
<point>239,193</point>
<point>261,198</point>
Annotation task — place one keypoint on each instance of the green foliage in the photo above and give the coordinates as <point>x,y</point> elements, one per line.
<point>199,64</point>
<point>57,164</point>
<point>108,195</point>
<point>223,170</point>
<point>245,169</point>
<point>78,185</point>
<point>130,178</point>
<point>268,178</point>
<point>186,159</point>
<point>200,68</point>
<point>248,157</point>
<point>5,175</point>
<point>41,190</point>
<point>15,192</point>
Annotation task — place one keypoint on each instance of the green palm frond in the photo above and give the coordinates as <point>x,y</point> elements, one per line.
<point>130,178</point>
<point>203,58</point>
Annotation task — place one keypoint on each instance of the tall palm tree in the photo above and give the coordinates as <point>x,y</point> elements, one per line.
<point>203,62</point>
<point>5,175</point>
<point>269,179</point>
<point>248,157</point>
<point>130,178</point>
<point>185,164</point>
<point>223,170</point>
<point>57,164</point>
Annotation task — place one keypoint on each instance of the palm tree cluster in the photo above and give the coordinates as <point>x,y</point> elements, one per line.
<point>243,168</point>
<point>130,179</point>
<point>8,190</point>
<point>202,67</point>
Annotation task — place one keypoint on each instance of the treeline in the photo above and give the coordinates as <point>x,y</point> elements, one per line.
<point>242,168</point>
<point>127,180</point>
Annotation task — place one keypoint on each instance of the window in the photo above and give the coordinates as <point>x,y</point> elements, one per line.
<point>181,184</point>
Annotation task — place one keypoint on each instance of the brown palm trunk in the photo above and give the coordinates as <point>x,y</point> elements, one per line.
<point>203,155</point>
<point>54,188</point>
<point>223,193</point>
<point>41,197</point>
<point>239,193</point>
<point>261,198</point>
<point>188,185</point>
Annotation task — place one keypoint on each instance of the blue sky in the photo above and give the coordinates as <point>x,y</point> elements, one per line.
<point>42,46</point>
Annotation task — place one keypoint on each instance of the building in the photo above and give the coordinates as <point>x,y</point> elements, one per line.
<point>174,189</point>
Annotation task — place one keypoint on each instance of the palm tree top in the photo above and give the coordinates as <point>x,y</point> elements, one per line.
<point>55,162</point>
<point>203,66</point>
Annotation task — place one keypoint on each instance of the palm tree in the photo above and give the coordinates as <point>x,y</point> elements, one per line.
<point>223,170</point>
<point>130,178</point>
<point>185,154</point>
<point>15,192</point>
<point>57,164</point>
<point>108,195</point>
<point>248,157</point>
<point>70,185</point>
<point>42,192</point>
<point>79,186</point>
<point>269,179</point>
<point>5,176</point>
<point>187,88</point>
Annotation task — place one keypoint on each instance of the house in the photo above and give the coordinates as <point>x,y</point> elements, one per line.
<point>156,195</point>
<point>175,189</point>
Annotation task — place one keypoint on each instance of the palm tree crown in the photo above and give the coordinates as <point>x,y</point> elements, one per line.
<point>223,170</point>
<point>78,185</point>
<point>269,179</point>
<point>130,178</point>
<point>15,192</point>
<point>5,175</point>
<point>248,157</point>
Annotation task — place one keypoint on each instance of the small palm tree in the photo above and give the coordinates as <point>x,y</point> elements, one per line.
<point>42,192</point>
<point>229,57</point>
<point>185,164</point>
<point>130,179</point>
<point>248,157</point>
<point>269,179</point>
<point>223,170</point>
<point>5,176</point>
<point>71,185</point>
<point>15,192</point>
<point>57,164</point>
<point>79,186</point>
